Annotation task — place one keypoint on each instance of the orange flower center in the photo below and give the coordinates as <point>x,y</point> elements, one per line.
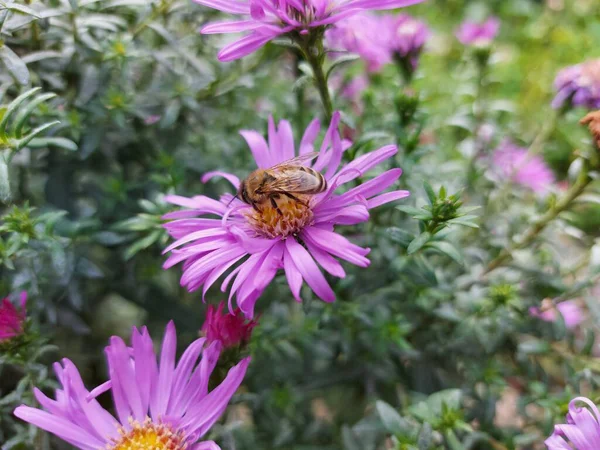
<point>149,436</point>
<point>290,217</point>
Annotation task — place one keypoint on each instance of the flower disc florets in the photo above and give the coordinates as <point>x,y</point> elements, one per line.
<point>148,435</point>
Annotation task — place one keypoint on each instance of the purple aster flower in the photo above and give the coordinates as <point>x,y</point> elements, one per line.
<point>569,310</point>
<point>478,34</point>
<point>582,429</point>
<point>12,321</point>
<point>264,20</point>
<point>159,405</point>
<point>514,162</point>
<point>578,85</point>
<point>253,245</point>
<point>364,34</point>
<point>408,36</point>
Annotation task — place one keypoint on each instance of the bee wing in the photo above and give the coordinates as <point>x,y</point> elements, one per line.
<point>297,161</point>
<point>294,180</point>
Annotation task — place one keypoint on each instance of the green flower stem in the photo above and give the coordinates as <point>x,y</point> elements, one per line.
<point>315,56</point>
<point>583,180</point>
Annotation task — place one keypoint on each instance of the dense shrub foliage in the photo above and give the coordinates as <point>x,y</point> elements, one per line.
<point>474,324</point>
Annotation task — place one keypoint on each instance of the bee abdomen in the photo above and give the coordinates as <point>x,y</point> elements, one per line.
<point>322,182</point>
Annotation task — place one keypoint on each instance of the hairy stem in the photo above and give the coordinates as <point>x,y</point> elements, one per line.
<point>315,55</point>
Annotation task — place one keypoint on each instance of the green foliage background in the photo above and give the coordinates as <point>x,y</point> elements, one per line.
<point>420,350</point>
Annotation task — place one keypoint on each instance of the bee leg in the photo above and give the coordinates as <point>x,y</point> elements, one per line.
<point>256,208</point>
<point>274,204</point>
<point>293,197</point>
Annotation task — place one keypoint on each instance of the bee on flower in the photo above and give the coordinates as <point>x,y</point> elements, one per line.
<point>283,217</point>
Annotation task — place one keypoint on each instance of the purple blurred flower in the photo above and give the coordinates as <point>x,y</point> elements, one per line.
<point>408,36</point>
<point>230,329</point>
<point>578,85</point>
<point>153,401</point>
<point>12,322</point>
<point>298,240</point>
<point>569,310</point>
<point>582,429</point>
<point>367,35</point>
<point>478,34</point>
<point>512,161</point>
<point>264,20</point>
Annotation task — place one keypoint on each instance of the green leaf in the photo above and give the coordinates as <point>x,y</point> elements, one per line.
<point>23,142</point>
<point>392,420</point>
<point>411,210</point>
<point>25,112</point>
<point>400,236</point>
<point>463,222</point>
<point>447,249</point>
<point>12,107</point>
<point>349,439</point>
<point>141,244</point>
<point>15,65</point>
<point>453,442</point>
<point>425,438</point>
<point>4,181</point>
<point>60,142</point>
<point>429,190</point>
<point>345,59</point>
<point>16,7</point>
<point>418,242</point>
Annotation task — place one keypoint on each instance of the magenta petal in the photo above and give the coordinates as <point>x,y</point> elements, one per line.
<point>258,147</point>
<point>244,46</point>
<point>228,176</point>
<point>309,270</point>
<point>162,392</point>
<point>386,198</point>
<point>236,26</point>
<point>293,275</point>
<point>228,6</point>
<point>63,428</point>
<point>206,445</point>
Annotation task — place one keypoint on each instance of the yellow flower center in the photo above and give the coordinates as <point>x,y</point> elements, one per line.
<point>149,436</point>
<point>290,217</point>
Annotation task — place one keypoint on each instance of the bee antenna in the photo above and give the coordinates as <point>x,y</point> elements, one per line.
<point>231,201</point>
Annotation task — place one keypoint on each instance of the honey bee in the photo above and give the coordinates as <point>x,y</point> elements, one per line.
<point>289,178</point>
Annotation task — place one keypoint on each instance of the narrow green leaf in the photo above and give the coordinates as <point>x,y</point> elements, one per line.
<point>23,142</point>
<point>429,190</point>
<point>15,65</point>
<point>12,107</point>
<point>141,244</point>
<point>25,112</point>
<point>4,181</point>
<point>425,438</point>
<point>61,142</point>
<point>400,236</point>
<point>411,210</point>
<point>461,221</point>
<point>340,61</point>
<point>419,242</point>
<point>16,7</point>
<point>447,249</point>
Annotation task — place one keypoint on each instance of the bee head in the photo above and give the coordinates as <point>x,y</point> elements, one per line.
<point>242,193</point>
